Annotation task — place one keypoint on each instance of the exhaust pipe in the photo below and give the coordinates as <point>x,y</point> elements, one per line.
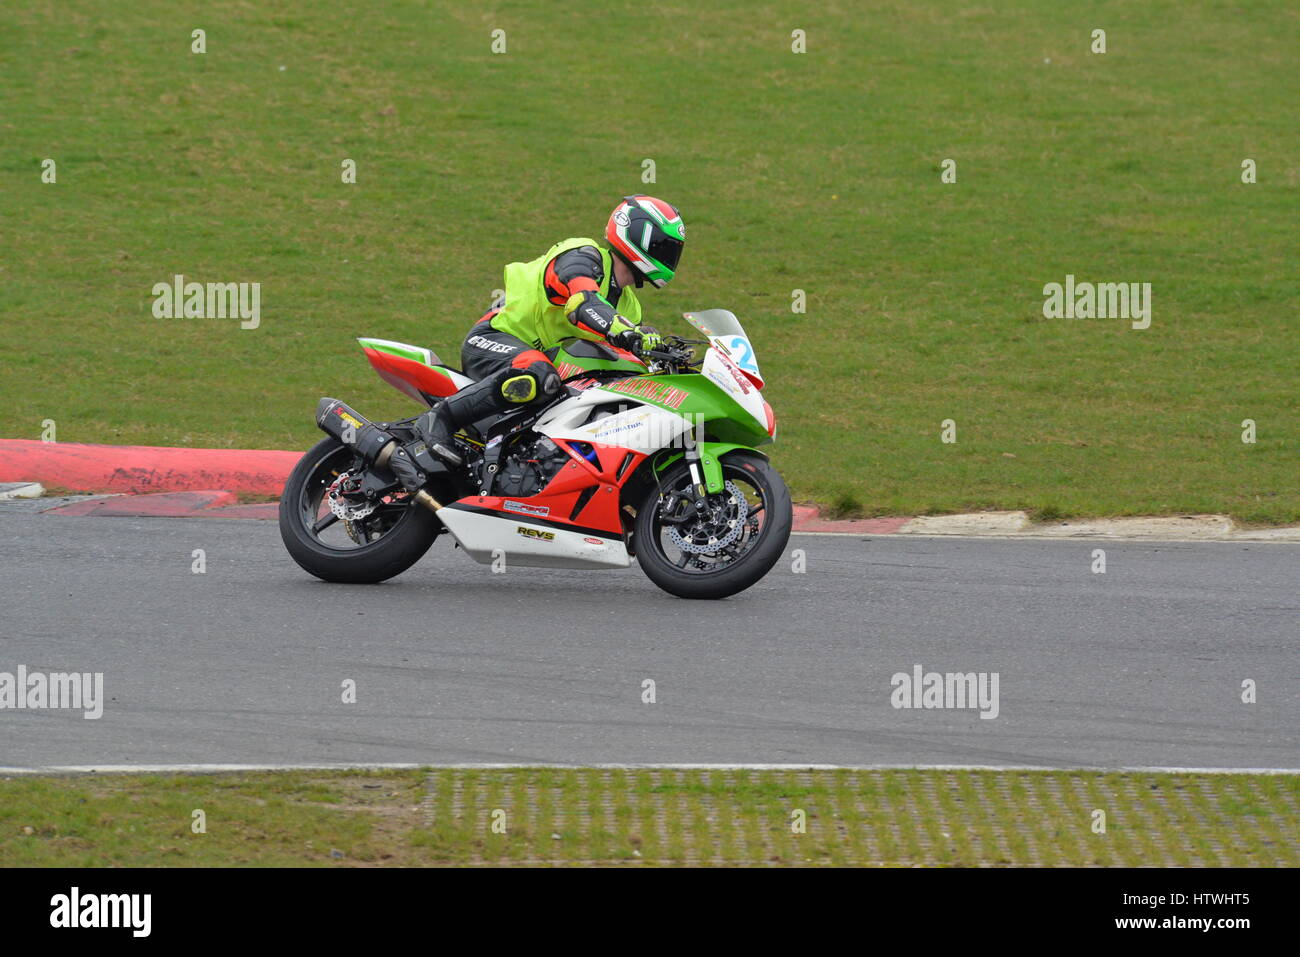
<point>354,430</point>
<point>427,500</point>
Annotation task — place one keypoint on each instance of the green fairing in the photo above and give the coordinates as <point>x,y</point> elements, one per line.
<point>725,419</point>
<point>588,362</point>
<point>414,353</point>
<point>711,454</point>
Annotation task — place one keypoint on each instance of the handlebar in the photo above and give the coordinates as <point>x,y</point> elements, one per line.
<point>675,352</point>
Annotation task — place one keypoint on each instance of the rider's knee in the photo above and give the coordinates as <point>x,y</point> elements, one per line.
<point>527,383</point>
<point>531,376</point>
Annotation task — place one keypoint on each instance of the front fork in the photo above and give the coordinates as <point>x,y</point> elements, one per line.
<point>704,460</point>
<point>698,481</point>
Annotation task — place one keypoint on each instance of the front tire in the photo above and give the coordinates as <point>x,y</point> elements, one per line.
<point>689,562</point>
<point>375,549</point>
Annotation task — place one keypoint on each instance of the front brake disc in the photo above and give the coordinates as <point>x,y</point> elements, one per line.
<point>724,525</point>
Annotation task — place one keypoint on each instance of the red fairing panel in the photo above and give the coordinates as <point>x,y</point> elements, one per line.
<point>410,377</point>
<point>555,503</point>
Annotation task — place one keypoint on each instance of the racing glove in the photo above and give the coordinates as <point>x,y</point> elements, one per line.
<point>633,338</point>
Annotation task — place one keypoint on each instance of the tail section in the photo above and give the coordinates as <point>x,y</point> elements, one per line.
<point>412,370</point>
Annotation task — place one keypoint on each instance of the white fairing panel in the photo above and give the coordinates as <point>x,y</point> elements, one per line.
<point>460,380</point>
<point>727,334</point>
<point>644,428</point>
<point>729,377</point>
<point>485,537</point>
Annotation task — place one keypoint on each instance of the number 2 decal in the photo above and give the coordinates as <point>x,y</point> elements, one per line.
<point>745,361</point>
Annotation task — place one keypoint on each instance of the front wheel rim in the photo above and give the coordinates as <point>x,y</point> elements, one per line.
<point>710,545</point>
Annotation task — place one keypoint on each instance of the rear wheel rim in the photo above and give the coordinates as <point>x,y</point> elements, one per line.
<point>338,535</point>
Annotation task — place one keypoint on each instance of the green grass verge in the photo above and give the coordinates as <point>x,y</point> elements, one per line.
<point>817,171</point>
<point>648,816</point>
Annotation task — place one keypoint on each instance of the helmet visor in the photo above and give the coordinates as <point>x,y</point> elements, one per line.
<point>665,250</point>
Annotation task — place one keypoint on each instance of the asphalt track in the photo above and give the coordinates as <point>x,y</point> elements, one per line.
<point>1139,667</point>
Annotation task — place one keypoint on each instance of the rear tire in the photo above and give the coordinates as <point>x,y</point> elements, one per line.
<point>396,550</point>
<point>763,550</point>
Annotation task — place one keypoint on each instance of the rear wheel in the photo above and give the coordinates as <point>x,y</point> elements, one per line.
<point>723,549</point>
<point>342,538</point>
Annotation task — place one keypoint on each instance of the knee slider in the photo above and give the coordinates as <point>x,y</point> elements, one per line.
<point>519,387</point>
<point>529,382</point>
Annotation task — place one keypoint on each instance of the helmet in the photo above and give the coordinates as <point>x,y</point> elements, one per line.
<point>647,234</point>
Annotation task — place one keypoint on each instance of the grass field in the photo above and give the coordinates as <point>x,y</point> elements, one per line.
<point>639,817</point>
<point>817,171</point>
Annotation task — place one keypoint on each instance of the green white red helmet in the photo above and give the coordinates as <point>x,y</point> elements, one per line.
<point>647,234</point>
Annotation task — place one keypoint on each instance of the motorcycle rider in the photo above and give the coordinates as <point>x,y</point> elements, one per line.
<point>577,289</point>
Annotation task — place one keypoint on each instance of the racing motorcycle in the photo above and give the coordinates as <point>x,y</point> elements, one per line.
<point>651,454</point>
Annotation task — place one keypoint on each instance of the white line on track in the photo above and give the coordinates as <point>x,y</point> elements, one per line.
<point>473,766</point>
<point>1015,537</point>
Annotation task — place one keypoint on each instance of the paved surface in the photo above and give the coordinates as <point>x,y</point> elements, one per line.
<point>1141,666</point>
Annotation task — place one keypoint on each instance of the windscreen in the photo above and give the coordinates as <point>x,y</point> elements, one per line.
<point>715,322</point>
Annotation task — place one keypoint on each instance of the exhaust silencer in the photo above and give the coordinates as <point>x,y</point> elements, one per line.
<point>354,430</point>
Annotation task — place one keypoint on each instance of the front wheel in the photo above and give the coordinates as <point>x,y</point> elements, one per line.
<point>729,545</point>
<point>341,539</point>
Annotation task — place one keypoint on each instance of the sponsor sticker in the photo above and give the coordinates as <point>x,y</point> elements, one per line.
<point>489,345</point>
<point>351,419</point>
<point>716,376</point>
<point>620,425</point>
<point>535,533</point>
<point>541,511</point>
<point>653,391</point>
<point>735,374</point>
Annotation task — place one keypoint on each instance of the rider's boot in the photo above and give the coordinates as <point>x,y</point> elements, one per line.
<point>434,450</point>
<point>369,441</point>
<point>498,392</point>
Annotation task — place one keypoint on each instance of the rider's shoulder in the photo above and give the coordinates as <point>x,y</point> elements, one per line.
<point>577,257</point>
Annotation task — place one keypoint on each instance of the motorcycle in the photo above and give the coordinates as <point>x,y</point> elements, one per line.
<point>650,454</point>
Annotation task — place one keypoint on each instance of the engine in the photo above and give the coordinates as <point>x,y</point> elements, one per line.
<point>528,466</point>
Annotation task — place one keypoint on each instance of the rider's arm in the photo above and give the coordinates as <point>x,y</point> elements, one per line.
<point>573,280</point>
